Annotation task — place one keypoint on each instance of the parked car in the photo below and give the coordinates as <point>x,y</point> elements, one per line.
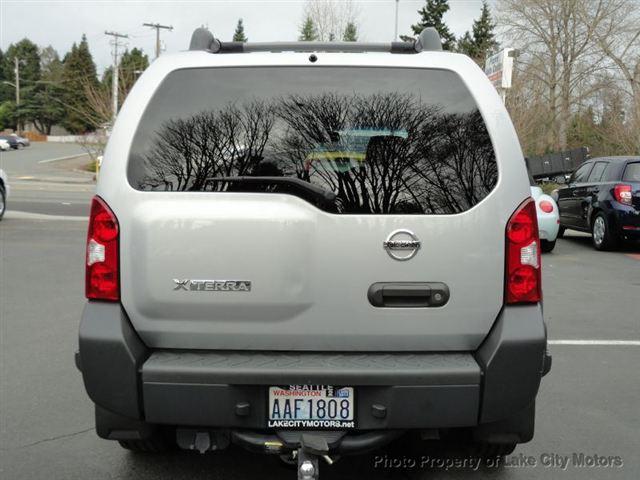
<point>603,198</point>
<point>4,145</point>
<point>11,140</point>
<point>238,292</point>
<point>4,192</point>
<point>548,217</point>
<point>22,141</point>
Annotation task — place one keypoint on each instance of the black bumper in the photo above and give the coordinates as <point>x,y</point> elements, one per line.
<point>228,389</point>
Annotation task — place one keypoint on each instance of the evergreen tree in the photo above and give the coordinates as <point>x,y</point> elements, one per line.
<point>2,77</point>
<point>308,31</point>
<point>238,35</point>
<point>29,64</point>
<point>583,130</point>
<point>132,64</point>
<point>79,76</point>
<point>466,45</point>
<point>43,105</point>
<point>482,42</point>
<point>350,33</point>
<point>27,54</point>
<point>431,16</point>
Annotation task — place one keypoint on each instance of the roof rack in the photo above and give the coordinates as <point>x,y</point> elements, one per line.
<point>203,39</point>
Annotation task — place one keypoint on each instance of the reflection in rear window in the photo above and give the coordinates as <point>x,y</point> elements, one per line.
<point>632,172</point>
<point>378,140</point>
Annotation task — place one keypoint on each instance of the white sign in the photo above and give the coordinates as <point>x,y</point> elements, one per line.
<point>499,68</point>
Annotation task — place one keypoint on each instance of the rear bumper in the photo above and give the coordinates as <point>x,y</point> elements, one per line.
<point>548,226</point>
<point>393,391</point>
<point>627,220</point>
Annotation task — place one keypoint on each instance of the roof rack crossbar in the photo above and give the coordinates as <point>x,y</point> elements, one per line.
<point>203,39</point>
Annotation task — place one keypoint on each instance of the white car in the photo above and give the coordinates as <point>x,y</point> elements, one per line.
<point>4,145</point>
<point>548,218</point>
<point>4,192</point>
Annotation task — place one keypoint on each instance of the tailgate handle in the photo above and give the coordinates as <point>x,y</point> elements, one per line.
<point>408,294</point>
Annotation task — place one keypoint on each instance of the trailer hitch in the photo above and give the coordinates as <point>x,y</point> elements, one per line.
<point>312,448</point>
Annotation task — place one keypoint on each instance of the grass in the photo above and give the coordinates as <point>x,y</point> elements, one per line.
<point>92,166</point>
<point>548,187</point>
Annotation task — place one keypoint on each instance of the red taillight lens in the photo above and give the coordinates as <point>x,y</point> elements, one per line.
<point>546,206</point>
<point>622,194</point>
<point>522,270</point>
<point>102,281</point>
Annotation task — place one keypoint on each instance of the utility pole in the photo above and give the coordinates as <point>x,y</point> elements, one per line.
<point>16,70</point>
<point>395,34</point>
<point>114,81</point>
<point>158,27</point>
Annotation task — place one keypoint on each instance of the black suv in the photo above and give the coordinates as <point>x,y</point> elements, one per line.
<point>603,198</point>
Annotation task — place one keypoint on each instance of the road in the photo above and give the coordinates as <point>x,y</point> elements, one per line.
<point>48,179</point>
<point>588,404</point>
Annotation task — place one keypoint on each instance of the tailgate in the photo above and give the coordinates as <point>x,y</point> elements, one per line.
<point>309,271</point>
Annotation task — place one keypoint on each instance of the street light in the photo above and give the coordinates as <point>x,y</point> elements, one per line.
<point>395,34</point>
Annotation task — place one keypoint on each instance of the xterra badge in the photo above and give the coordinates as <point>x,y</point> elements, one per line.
<point>212,285</point>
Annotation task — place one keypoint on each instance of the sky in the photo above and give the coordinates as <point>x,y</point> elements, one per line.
<point>60,23</point>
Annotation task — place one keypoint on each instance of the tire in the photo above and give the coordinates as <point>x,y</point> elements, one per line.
<point>602,236</point>
<point>561,231</point>
<point>547,246</point>
<point>20,146</point>
<point>3,202</point>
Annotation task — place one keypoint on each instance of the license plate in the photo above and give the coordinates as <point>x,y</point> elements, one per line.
<point>311,406</point>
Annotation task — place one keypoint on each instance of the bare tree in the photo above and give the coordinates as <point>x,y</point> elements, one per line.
<point>331,17</point>
<point>558,42</point>
<point>619,38</point>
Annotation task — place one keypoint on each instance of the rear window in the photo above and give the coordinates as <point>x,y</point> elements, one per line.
<point>632,172</point>
<point>373,140</point>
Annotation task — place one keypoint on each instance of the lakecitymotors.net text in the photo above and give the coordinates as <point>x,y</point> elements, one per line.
<point>545,460</point>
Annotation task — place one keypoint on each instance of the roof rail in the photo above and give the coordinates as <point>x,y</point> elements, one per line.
<point>203,39</point>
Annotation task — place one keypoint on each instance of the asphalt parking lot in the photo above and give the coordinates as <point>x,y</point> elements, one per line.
<point>587,405</point>
<point>49,179</point>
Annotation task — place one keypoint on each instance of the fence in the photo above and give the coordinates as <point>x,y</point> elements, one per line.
<point>556,164</point>
<point>87,138</point>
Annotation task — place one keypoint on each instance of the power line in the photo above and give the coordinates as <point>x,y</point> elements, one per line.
<point>114,81</point>
<point>158,27</point>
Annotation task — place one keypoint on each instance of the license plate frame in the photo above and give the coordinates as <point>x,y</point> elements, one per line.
<point>300,406</point>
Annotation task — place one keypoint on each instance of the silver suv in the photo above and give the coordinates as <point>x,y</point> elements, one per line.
<point>310,250</point>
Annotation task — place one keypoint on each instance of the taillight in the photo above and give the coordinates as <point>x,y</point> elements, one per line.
<point>522,270</point>
<point>622,194</point>
<point>102,280</point>
<point>546,206</point>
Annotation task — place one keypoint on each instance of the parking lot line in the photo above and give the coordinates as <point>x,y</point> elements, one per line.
<point>16,214</point>
<point>68,157</point>
<point>635,343</point>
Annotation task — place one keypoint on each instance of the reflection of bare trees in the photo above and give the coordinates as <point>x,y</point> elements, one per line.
<point>186,152</point>
<point>381,153</point>
<point>457,165</point>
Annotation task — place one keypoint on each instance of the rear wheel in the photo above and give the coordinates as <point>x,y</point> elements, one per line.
<point>20,146</point>
<point>602,236</point>
<point>3,201</point>
<point>547,246</point>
